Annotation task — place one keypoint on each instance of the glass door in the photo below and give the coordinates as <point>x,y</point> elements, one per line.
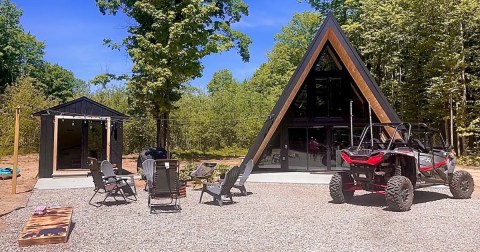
<point>340,140</point>
<point>297,149</point>
<point>317,149</point>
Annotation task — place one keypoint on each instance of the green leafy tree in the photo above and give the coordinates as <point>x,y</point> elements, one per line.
<point>419,52</point>
<point>290,46</point>
<point>57,82</point>
<point>167,43</point>
<point>22,94</point>
<point>221,80</point>
<point>19,51</point>
<point>347,12</point>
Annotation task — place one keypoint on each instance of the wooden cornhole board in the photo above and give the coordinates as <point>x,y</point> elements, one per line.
<point>51,228</point>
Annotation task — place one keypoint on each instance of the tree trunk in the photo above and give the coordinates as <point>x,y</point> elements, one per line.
<point>162,130</point>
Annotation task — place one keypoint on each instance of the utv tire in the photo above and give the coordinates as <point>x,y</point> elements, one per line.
<point>399,193</point>
<point>337,186</point>
<point>462,185</point>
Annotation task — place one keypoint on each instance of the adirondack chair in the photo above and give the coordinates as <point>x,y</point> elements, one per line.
<point>241,183</point>
<point>217,190</point>
<point>164,184</point>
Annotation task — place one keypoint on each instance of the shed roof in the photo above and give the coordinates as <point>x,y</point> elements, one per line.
<point>82,106</point>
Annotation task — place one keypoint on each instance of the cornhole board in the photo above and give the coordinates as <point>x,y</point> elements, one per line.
<point>51,228</point>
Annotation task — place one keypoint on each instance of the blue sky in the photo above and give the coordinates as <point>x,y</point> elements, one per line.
<point>73,32</point>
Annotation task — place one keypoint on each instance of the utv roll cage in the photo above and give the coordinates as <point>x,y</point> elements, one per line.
<point>399,135</point>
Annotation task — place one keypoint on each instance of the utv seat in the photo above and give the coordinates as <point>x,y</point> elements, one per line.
<point>417,144</point>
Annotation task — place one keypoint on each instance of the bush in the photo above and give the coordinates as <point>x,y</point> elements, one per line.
<point>221,170</point>
<point>186,171</point>
<point>30,100</point>
<point>469,160</point>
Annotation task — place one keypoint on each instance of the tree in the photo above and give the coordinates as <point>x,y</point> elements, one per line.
<point>347,12</point>
<point>419,52</point>
<point>22,94</point>
<point>222,80</point>
<point>290,46</point>
<point>56,81</point>
<point>167,43</point>
<point>19,51</point>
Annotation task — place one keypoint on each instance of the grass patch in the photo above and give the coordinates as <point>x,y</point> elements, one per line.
<point>197,155</point>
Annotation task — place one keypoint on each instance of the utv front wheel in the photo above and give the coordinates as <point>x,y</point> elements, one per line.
<point>399,193</point>
<point>461,185</point>
<point>339,182</point>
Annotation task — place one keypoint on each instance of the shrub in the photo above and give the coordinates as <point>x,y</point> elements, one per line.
<point>221,170</point>
<point>469,160</point>
<point>186,171</point>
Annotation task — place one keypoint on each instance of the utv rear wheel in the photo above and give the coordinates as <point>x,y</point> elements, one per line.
<point>461,185</point>
<point>339,182</point>
<point>399,193</point>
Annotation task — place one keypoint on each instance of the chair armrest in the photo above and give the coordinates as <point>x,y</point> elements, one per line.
<point>115,179</point>
<point>205,183</point>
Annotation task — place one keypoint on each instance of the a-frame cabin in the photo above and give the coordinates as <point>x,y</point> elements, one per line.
<point>311,121</point>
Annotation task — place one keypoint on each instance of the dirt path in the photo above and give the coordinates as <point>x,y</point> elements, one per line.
<point>28,165</point>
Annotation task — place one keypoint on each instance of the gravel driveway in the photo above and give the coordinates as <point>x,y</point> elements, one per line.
<point>275,217</point>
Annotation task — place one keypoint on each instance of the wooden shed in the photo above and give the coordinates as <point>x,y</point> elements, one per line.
<point>73,131</point>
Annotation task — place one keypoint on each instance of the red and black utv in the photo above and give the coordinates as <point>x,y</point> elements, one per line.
<point>393,158</point>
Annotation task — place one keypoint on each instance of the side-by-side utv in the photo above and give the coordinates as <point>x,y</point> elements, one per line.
<point>393,158</point>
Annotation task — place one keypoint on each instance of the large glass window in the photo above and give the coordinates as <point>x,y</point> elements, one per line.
<point>327,91</point>
<point>332,98</point>
<point>321,98</point>
<point>297,148</point>
<point>317,148</point>
<point>271,156</point>
<point>300,104</point>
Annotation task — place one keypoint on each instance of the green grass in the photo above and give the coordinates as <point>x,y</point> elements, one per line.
<point>197,155</point>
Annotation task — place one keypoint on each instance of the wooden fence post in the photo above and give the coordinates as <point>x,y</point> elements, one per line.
<point>15,150</point>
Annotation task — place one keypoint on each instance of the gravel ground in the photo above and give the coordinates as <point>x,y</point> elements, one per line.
<point>275,217</point>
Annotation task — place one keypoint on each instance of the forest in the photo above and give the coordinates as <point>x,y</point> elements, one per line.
<point>425,56</point>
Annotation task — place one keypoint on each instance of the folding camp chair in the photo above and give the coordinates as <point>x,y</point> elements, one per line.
<point>109,176</point>
<point>110,188</point>
<point>204,172</point>
<point>164,184</point>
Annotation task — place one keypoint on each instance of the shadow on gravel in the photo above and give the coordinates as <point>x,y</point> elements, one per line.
<point>72,226</point>
<point>237,194</point>
<point>369,200</point>
<point>112,203</point>
<point>215,203</point>
<point>165,209</point>
<point>376,200</point>
<point>428,196</point>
